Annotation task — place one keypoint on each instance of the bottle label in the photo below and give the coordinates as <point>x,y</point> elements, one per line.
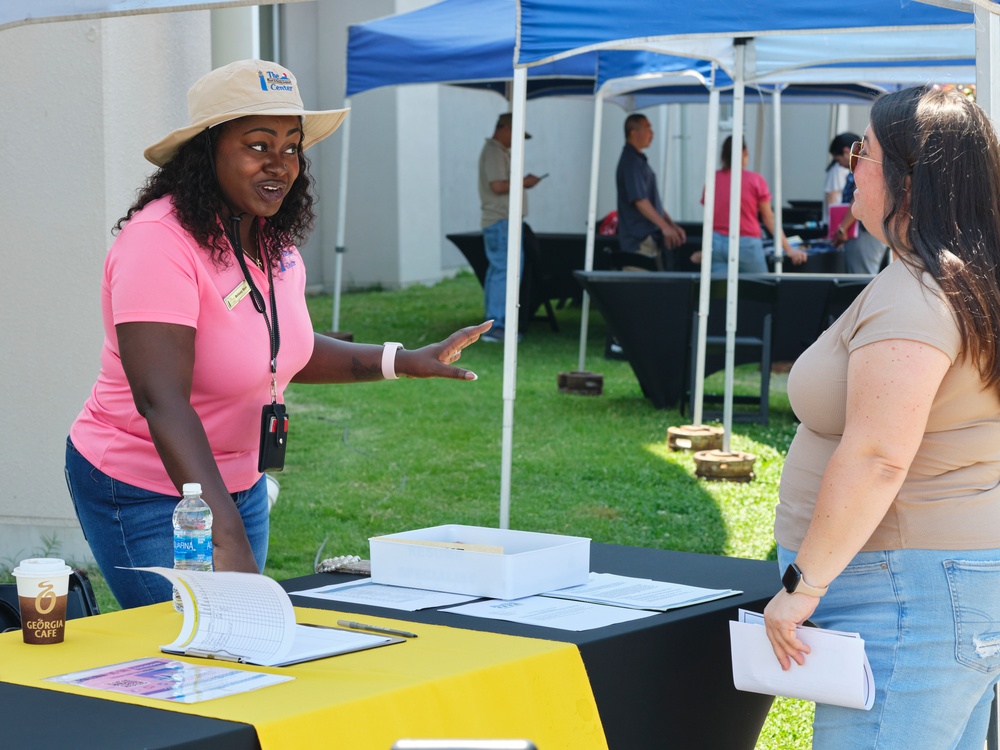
<point>193,547</point>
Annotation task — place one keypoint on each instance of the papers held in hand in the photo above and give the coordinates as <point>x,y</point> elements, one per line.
<point>248,618</point>
<point>836,671</point>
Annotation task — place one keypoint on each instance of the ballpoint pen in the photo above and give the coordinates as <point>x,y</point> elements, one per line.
<point>375,628</point>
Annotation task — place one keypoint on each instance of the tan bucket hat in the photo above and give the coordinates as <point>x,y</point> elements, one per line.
<point>240,89</point>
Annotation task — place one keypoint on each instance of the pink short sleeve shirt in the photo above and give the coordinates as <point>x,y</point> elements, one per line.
<point>156,272</point>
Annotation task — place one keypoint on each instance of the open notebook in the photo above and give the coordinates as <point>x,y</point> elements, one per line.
<point>248,618</point>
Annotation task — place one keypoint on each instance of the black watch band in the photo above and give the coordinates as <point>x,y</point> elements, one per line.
<point>795,583</point>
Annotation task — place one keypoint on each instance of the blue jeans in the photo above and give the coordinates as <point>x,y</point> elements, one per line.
<point>930,620</point>
<point>751,254</point>
<point>495,283</point>
<point>128,526</point>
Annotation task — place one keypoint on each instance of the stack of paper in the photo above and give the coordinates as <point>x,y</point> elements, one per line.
<point>606,599</point>
<point>639,593</point>
<point>836,670</point>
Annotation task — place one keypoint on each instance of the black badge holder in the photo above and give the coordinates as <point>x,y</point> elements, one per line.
<point>273,438</point>
<point>273,418</point>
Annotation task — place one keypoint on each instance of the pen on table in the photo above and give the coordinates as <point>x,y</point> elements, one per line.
<point>375,628</point>
<point>220,655</point>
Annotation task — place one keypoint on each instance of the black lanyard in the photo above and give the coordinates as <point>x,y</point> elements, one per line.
<point>258,299</point>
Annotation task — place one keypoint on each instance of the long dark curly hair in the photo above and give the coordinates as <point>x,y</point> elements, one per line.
<point>189,179</point>
<point>941,166</point>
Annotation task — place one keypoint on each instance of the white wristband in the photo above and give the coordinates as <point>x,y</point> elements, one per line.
<point>389,359</point>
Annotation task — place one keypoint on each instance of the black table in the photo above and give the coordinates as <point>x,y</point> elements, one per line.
<point>36,718</point>
<point>651,316</point>
<point>663,681</point>
<point>548,267</point>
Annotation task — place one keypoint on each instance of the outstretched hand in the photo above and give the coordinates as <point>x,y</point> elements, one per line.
<point>437,360</point>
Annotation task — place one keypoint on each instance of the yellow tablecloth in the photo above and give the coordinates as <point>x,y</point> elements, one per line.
<point>448,682</point>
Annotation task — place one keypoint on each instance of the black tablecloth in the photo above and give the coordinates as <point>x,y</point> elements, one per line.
<point>37,719</point>
<point>651,315</point>
<point>663,681</point>
<point>548,274</point>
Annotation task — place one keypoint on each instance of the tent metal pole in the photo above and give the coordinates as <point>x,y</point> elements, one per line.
<point>588,259</point>
<point>757,155</point>
<point>665,138</point>
<point>779,231</point>
<point>988,62</point>
<point>340,249</point>
<point>732,278</point>
<point>514,233</point>
<point>712,146</point>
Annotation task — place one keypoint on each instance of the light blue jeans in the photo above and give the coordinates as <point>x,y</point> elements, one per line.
<point>930,620</point>
<point>751,254</point>
<point>128,526</point>
<point>495,284</point>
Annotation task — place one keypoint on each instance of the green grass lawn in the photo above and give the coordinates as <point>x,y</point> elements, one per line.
<point>378,458</point>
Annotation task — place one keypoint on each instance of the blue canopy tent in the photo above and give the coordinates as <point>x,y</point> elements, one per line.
<point>722,31</point>
<point>467,42</point>
<point>555,29</point>
<point>471,42</point>
<point>461,42</point>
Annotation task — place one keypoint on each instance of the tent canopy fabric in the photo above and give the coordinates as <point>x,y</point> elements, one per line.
<point>454,41</point>
<point>552,29</point>
<point>993,6</point>
<point>636,79</point>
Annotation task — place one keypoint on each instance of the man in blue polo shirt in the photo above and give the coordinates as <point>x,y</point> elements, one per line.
<point>643,226</point>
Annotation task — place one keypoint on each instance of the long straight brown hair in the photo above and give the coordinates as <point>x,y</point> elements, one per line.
<point>941,166</point>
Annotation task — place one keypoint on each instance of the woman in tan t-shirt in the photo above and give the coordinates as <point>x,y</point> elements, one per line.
<point>889,517</point>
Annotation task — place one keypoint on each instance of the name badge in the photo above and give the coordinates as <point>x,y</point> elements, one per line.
<point>233,298</point>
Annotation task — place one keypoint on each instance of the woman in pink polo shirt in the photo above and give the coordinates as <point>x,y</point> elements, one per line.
<point>205,321</point>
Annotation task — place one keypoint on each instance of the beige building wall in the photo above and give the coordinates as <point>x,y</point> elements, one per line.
<point>81,101</point>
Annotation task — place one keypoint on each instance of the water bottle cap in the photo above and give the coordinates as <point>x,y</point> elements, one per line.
<point>191,488</point>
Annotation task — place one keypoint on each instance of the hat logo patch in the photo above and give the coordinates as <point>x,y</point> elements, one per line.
<point>271,81</point>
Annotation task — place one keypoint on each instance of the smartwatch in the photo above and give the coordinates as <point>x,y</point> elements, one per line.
<point>389,349</point>
<point>795,583</point>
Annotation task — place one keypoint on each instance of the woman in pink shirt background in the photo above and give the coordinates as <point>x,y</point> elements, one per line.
<point>755,208</point>
<point>205,319</point>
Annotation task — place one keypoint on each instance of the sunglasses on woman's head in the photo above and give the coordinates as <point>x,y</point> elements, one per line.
<point>856,154</point>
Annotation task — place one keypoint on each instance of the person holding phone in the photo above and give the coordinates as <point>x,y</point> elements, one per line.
<point>494,190</point>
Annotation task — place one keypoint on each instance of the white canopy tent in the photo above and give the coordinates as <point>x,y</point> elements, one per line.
<point>750,42</point>
<point>619,77</point>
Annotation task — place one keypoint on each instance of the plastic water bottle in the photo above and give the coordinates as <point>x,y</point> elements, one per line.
<point>192,535</point>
